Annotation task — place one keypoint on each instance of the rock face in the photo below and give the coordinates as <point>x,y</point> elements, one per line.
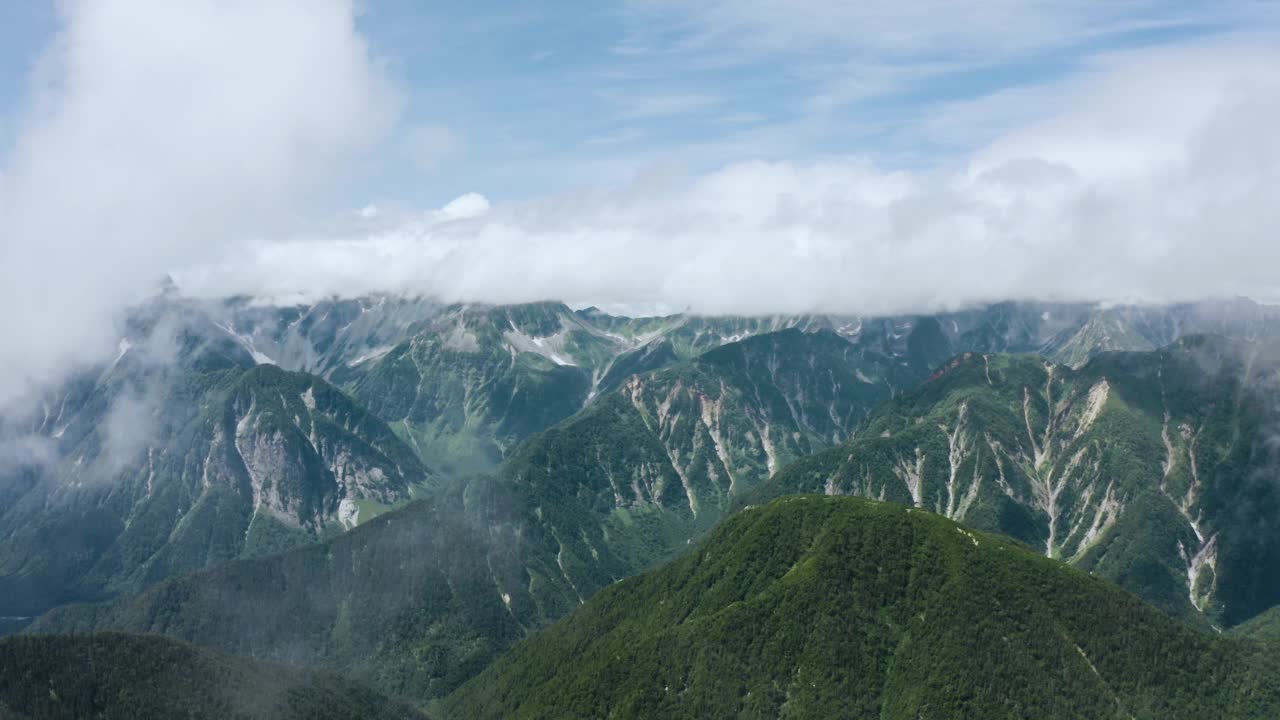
<point>473,381</point>
<point>163,473</point>
<point>1145,468</point>
<point>466,383</point>
<point>661,458</point>
<point>323,337</point>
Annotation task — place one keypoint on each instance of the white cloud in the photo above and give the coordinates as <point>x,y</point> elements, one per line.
<point>160,133</point>
<point>466,206</point>
<point>1153,180</point>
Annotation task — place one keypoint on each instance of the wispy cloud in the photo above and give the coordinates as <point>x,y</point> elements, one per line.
<point>887,67</point>
<point>906,31</point>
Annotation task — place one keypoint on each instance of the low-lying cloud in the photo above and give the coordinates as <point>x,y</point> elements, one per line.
<point>1154,179</point>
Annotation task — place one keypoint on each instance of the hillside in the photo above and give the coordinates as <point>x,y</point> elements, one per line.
<point>413,602</point>
<point>658,461</point>
<point>164,471</point>
<point>1263,626</point>
<point>1148,469</point>
<point>149,677</point>
<point>472,381</point>
<point>466,383</point>
<point>420,599</point>
<point>844,607</point>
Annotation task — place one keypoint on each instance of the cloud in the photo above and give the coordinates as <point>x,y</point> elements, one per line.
<point>889,29</point>
<point>192,140</point>
<point>161,133</point>
<point>18,451</point>
<point>465,206</point>
<point>1152,180</point>
<point>873,76</point>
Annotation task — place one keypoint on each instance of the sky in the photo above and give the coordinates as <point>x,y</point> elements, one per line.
<point>723,156</point>
<point>517,99</point>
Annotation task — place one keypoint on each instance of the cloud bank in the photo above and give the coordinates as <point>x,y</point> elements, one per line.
<point>157,134</point>
<point>1149,178</point>
<point>193,139</point>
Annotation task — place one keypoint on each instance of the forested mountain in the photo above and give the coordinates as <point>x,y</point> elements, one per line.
<point>183,453</point>
<point>1156,470</point>
<point>844,607</point>
<point>413,602</point>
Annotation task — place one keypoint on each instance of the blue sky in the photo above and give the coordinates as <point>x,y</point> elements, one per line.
<point>560,94</point>
<point>519,99</point>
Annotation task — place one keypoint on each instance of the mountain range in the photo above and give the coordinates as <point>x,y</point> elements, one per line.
<point>184,452</point>
<point>208,483</point>
<point>1153,469</point>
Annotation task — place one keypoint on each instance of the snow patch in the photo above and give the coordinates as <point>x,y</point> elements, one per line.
<point>550,347</point>
<point>462,340</point>
<point>373,354</point>
<point>247,343</point>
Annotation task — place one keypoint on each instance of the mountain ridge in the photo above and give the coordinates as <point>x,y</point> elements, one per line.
<point>1134,465</point>
<point>820,607</point>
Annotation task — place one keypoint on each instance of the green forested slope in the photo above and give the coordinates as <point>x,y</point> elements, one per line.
<point>417,601</point>
<point>200,466</point>
<point>1151,469</point>
<point>127,677</point>
<point>1263,626</point>
<point>413,602</point>
<point>844,607</point>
